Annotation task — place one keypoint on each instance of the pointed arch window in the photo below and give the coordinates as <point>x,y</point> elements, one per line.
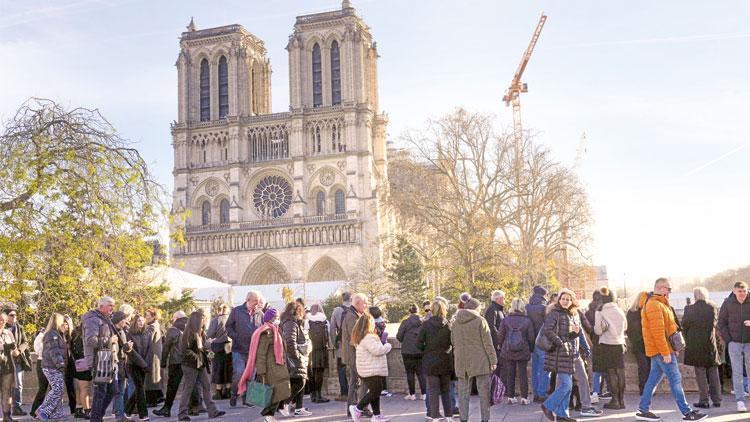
<point>206,213</point>
<point>205,91</point>
<point>320,203</point>
<point>340,202</point>
<point>317,71</point>
<point>224,211</point>
<point>335,73</point>
<point>223,87</point>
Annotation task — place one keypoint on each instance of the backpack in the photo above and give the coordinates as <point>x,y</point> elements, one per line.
<point>318,332</point>
<point>515,340</point>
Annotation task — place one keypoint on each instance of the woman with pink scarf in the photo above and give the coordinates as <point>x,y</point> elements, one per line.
<point>266,359</point>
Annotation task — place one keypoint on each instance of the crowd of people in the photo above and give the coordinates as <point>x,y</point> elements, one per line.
<point>126,360</point>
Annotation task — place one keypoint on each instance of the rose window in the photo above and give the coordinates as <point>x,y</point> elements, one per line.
<point>272,196</point>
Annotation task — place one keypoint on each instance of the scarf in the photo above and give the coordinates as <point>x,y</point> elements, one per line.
<point>278,351</point>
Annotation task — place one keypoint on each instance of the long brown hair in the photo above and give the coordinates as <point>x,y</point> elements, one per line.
<point>193,329</point>
<point>573,309</point>
<point>364,326</point>
<point>294,311</point>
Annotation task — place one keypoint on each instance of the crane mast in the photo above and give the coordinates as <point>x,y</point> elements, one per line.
<point>513,93</point>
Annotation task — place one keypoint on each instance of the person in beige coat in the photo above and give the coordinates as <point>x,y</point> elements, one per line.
<point>610,325</point>
<point>372,366</point>
<point>474,357</point>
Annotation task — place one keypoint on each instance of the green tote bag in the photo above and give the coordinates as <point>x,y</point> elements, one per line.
<point>258,394</point>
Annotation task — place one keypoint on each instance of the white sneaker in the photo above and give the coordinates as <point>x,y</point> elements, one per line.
<point>409,397</point>
<point>302,412</point>
<point>356,413</point>
<point>524,401</point>
<point>594,398</point>
<point>512,400</point>
<point>379,418</point>
<point>422,397</point>
<point>269,419</point>
<point>285,411</point>
<point>386,393</point>
<point>741,407</point>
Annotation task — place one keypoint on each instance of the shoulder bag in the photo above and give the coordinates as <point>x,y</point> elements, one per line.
<point>258,394</point>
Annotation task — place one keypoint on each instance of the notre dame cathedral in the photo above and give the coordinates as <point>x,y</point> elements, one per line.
<point>280,198</point>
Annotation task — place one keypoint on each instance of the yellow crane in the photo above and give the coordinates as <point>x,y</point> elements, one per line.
<point>513,93</point>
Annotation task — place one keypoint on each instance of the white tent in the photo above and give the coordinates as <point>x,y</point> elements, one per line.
<point>204,289</point>
<point>315,292</point>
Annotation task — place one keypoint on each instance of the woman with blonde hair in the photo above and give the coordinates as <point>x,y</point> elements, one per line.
<point>515,338</point>
<point>562,326</point>
<point>54,361</point>
<point>610,325</point>
<point>434,340</point>
<point>372,366</point>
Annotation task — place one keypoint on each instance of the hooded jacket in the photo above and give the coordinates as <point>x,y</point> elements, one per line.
<point>474,351</point>
<point>657,322</point>
<point>732,317</point>
<point>407,334</point>
<point>535,310</point>
<point>172,352</point>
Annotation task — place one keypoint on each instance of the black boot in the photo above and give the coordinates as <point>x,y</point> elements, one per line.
<point>322,399</point>
<point>621,387</point>
<point>614,387</point>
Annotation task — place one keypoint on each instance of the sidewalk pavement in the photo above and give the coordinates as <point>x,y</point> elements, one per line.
<point>400,410</point>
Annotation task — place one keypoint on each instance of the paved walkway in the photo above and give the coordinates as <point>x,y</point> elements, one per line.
<point>400,410</point>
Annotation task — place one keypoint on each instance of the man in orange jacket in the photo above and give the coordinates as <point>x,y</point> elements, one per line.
<point>658,322</point>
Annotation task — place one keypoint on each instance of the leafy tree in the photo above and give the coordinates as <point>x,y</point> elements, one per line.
<point>185,303</point>
<point>77,206</point>
<point>406,274</point>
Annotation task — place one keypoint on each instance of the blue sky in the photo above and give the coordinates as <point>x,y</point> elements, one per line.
<point>660,88</point>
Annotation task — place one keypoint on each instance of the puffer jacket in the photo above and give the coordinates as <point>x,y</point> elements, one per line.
<point>525,327</point>
<point>657,322</point>
<point>372,359</point>
<point>732,316</point>
<point>54,351</point>
<point>558,328</point>
<point>474,351</point>
<point>97,333</point>
<point>610,324</point>
<point>536,309</point>
<point>407,334</point>
<point>138,357</point>
<point>298,348</point>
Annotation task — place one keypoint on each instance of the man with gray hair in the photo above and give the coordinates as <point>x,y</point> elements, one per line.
<point>349,352</point>
<point>241,324</point>
<point>99,333</point>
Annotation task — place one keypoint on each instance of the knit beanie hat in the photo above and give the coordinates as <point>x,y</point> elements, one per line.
<point>540,290</point>
<point>117,317</point>
<point>270,314</point>
<point>471,304</point>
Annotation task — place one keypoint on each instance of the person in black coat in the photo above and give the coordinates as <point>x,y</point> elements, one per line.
<point>136,366</point>
<point>536,310</point>
<point>434,340</point>
<point>319,337</point>
<point>699,326</point>
<point>634,333</point>
<point>298,348</point>
<point>516,339</point>
<point>407,334</point>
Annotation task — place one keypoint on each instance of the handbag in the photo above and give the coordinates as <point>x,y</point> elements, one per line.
<point>677,341</point>
<point>543,342</point>
<point>258,394</point>
<point>81,365</point>
<point>104,361</point>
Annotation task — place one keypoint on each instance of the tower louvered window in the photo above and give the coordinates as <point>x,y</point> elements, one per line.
<point>205,94</point>
<point>317,71</point>
<point>335,74</point>
<point>223,87</point>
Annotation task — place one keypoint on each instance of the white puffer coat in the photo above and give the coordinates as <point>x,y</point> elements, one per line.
<point>371,357</point>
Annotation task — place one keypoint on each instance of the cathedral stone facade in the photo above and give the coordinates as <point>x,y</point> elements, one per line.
<point>279,198</point>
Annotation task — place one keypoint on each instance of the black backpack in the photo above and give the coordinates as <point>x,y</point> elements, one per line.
<point>515,340</point>
<point>318,330</point>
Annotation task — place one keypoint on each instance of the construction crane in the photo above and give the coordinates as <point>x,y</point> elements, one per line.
<point>513,94</point>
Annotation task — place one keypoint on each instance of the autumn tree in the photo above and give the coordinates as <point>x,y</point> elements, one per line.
<point>77,205</point>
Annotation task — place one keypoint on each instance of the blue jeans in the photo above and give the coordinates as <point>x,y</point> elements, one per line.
<point>539,377</point>
<point>18,388</point>
<point>739,354</point>
<point>239,360</point>
<point>559,400</point>
<point>343,383</point>
<point>102,397</point>
<point>659,370</point>
<point>118,404</point>
<point>596,382</point>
